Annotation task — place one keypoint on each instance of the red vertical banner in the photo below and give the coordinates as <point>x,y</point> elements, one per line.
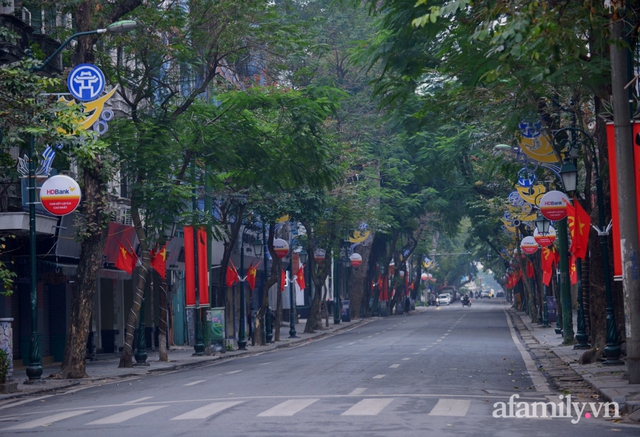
<point>189,267</point>
<point>203,268</point>
<point>613,191</point>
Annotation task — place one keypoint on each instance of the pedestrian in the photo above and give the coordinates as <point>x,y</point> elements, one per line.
<point>407,305</point>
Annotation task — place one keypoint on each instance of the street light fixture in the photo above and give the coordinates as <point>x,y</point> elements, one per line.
<point>542,224</point>
<point>569,174</point>
<point>34,370</point>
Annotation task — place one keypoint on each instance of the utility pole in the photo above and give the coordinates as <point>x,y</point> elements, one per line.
<point>626,195</point>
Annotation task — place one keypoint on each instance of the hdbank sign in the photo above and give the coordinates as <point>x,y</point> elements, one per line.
<point>553,205</point>
<point>86,82</point>
<point>60,195</point>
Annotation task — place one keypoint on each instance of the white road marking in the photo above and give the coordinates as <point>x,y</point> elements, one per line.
<point>450,407</point>
<point>446,334</point>
<point>369,336</point>
<point>339,347</point>
<point>424,348</point>
<point>195,382</point>
<point>379,376</point>
<point>125,415</point>
<point>231,373</point>
<point>438,340</point>
<point>206,411</point>
<point>264,364</point>
<point>44,421</point>
<point>288,408</point>
<point>358,391</point>
<point>406,359</point>
<point>26,401</point>
<point>139,400</point>
<point>368,407</point>
<point>539,381</point>
<point>394,366</point>
<point>349,344</point>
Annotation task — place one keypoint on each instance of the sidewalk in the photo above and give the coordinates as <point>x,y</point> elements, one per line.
<point>612,382</point>
<point>105,368</point>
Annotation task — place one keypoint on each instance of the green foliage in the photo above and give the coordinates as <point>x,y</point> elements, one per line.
<point>4,366</point>
<point>6,274</point>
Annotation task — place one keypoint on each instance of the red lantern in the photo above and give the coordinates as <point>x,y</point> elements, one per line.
<point>424,276</point>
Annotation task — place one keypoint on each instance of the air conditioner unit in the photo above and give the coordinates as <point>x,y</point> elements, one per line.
<point>124,216</point>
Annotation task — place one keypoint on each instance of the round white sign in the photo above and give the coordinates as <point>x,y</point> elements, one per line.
<point>60,195</point>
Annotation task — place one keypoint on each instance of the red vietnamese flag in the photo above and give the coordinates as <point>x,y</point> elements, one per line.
<point>300,278</point>
<point>530,272</point>
<point>159,261</point>
<point>126,260</point>
<point>283,280</point>
<point>573,271</point>
<point>232,275</point>
<point>252,272</point>
<point>580,232</point>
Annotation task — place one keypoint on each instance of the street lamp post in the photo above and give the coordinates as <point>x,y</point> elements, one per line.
<point>268,338</point>
<point>258,246</point>
<point>34,370</point>
<point>612,349</point>
<point>242,335</point>
<point>569,175</point>
<point>292,305</point>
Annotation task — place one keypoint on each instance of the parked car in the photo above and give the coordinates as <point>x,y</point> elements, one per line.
<point>444,299</point>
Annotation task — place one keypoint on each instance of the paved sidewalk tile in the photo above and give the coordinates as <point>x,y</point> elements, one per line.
<point>610,381</point>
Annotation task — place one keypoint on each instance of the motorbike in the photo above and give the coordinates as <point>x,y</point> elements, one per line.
<point>466,302</point>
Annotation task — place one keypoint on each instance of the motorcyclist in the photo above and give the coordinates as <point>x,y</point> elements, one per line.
<point>465,299</point>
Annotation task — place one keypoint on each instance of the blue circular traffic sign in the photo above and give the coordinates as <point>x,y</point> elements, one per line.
<point>86,82</point>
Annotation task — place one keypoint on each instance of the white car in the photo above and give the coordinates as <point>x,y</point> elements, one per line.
<point>444,299</point>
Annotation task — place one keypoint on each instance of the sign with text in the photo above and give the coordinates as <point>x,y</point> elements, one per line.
<point>553,205</point>
<point>60,195</point>
<point>529,245</point>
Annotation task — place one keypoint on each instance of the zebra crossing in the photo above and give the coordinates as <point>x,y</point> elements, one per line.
<point>368,406</point>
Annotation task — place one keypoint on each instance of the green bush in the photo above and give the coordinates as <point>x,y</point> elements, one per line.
<point>4,366</point>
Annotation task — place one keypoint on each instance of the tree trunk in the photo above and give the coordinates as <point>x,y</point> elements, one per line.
<point>315,317</point>
<point>83,291</point>
<point>164,321</point>
<point>138,295</point>
<point>273,279</point>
